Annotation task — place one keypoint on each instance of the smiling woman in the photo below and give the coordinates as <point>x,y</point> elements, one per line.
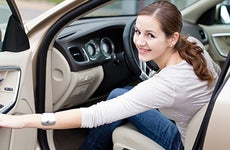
<point>158,38</point>
<point>82,52</point>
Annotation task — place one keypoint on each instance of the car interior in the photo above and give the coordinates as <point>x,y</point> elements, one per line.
<point>87,63</point>
<point>82,59</point>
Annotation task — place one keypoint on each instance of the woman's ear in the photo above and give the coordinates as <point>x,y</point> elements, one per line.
<point>174,38</point>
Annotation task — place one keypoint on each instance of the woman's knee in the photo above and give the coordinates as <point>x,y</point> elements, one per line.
<point>117,92</point>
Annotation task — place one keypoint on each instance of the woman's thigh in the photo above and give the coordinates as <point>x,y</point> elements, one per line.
<point>157,127</point>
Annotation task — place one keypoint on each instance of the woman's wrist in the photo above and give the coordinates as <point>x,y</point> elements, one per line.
<point>32,121</point>
<point>48,119</point>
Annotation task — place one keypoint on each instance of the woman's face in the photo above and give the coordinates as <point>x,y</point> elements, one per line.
<point>150,40</point>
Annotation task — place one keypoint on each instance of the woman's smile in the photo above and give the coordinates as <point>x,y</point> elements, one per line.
<point>142,51</point>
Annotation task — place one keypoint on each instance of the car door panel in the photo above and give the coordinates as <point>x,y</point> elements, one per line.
<point>17,97</point>
<point>219,37</point>
<point>9,83</point>
<point>221,43</point>
<point>16,81</point>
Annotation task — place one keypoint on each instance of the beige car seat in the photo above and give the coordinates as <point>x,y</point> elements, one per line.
<point>127,137</point>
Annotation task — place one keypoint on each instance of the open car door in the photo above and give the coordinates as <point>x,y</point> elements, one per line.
<point>16,82</point>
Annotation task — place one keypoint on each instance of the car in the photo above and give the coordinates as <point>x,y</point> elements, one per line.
<point>73,54</point>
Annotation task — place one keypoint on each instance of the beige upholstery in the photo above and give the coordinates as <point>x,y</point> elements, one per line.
<point>128,137</point>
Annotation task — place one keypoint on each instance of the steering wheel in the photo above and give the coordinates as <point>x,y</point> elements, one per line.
<point>144,70</point>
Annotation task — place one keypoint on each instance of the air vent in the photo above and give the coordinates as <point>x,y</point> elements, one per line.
<point>78,54</point>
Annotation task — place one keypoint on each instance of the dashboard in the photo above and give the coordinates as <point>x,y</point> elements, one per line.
<point>86,44</point>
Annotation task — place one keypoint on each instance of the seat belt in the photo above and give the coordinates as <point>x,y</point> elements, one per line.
<point>199,142</point>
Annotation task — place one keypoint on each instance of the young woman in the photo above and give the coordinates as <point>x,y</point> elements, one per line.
<point>161,106</point>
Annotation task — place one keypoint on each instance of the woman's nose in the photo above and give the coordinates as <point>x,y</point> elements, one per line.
<point>140,41</point>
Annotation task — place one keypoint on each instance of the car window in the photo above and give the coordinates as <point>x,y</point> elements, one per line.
<point>224,12</point>
<point>30,9</point>
<point>5,13</point>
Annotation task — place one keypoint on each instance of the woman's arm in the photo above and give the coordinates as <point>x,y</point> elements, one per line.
<point>63,120</point>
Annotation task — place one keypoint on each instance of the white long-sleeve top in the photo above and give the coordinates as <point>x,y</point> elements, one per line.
<point>175,90</point>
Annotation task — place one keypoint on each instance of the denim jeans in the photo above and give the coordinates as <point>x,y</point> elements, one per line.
<point>151,123</point>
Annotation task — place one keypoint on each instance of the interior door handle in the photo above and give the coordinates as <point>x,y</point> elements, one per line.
<point>9,86</point>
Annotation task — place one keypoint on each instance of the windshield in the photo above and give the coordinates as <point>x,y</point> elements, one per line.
<point>131,7</point>
<point>30,9</point>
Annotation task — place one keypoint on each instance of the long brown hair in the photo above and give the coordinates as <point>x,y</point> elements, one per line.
<point>171,21</point>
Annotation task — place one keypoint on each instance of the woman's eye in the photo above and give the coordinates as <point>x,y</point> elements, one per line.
<point>137,31</point>
<point>151,35</point>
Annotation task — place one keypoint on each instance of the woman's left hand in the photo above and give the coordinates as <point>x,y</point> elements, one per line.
<point>11,121</point>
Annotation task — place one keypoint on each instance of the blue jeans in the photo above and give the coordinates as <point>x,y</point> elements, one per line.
<point>151,123</point>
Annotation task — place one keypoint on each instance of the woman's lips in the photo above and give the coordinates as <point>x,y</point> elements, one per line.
<point>143,51</point>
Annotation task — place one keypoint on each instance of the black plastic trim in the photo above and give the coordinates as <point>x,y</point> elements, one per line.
<point>15,39</point>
